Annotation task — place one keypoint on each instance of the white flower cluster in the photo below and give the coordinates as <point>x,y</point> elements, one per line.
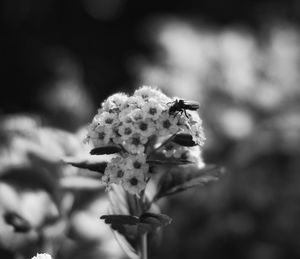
<point>131,121</point>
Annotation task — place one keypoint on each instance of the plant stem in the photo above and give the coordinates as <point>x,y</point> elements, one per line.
<point>144,252</point>
<point>142,201</point>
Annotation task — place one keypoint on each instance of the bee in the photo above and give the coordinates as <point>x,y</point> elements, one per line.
<point>180,106</point>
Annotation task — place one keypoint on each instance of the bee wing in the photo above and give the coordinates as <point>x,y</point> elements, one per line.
<point>171,103</point>
<point>191,105</point>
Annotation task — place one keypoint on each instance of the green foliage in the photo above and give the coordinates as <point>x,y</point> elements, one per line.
<point>181,178</point>
<point>147,222</point>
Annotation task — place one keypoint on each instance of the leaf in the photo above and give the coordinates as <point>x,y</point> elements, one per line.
<point>124,204</point>
<point>184,140</point>
<point>161,219</point>
<point>120,219</point>
<point>147,222</point>
<point>105,150</point>
<point>168,161</point>
<point>181,178</point>
<point>97,164</point>
<point>151,221</point>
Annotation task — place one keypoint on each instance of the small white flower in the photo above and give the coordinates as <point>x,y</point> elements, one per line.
<point>126,130</point>
<point>97,120</point>
<point>137,162</point>
<point>145,127</point>
<point>167,125</point>
<point>197,134</point>
<point>152,109</point>
<point>134,182</point>
<point>147,92</point>
<point>114,173</point>
<point>105,177</point>
<point>183,123</point>
<point>99,135</point>
<point>117,140</point>
<point>137,114</point>
<point>108,119</point>
<point>125,116</point>
<point>195,155</point>
<point>115,102</point>
<point>135,144</point>
<point>169,149</point>
<point>192,154</point>
<point>134,102</point>
<point>42,256</point>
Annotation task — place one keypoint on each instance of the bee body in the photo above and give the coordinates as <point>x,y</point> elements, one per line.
<point>180,106</point>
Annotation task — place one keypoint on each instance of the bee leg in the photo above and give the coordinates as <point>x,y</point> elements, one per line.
<point>181,111</point>
<point>176,113</point>
<point>186,115</point>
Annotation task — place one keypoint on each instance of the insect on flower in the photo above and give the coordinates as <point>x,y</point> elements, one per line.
<point>180,106</point>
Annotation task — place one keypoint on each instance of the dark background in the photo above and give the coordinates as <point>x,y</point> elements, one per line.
<point>101,36</point>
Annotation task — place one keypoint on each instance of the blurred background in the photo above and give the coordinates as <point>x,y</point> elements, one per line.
<point>239,59</point>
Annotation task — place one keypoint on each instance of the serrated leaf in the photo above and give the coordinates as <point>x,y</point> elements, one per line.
<point>105,150</point>
<point>185,140</point>
<point>182,178</point>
